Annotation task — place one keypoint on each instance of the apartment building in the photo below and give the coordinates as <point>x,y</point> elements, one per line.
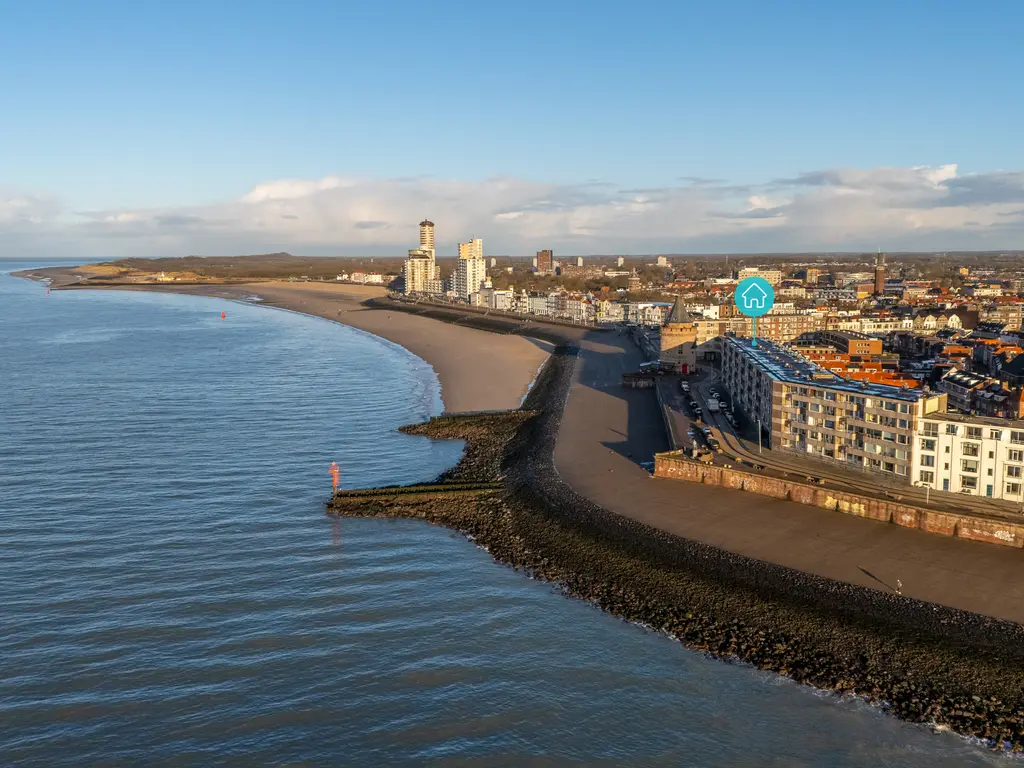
<point>472,249</point>
<point>804,408</point>
<point>545,262</point>
<point>960,386</point>
<point>972,455</point>
<point>421,272</point>
<point>470,269</point>
<point>773,276</point>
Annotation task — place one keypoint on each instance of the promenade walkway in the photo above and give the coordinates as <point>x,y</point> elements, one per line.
<point>608,430</point>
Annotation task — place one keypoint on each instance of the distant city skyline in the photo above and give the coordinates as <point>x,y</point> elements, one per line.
<point>594,128</point>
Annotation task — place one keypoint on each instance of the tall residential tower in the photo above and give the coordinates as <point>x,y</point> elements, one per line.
<point>470,269</point>
<point>422,274</point>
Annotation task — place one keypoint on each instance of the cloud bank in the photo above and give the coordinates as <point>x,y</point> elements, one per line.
<point>927,208</point>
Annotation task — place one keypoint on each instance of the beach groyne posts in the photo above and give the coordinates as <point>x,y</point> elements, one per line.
<point>993,530</point>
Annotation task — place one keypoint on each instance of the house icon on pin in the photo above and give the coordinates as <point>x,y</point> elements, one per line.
<point>754,297</point>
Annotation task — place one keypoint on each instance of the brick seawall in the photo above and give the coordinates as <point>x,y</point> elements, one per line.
<point>974,527</point>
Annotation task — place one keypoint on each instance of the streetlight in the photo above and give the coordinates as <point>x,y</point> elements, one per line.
<point>927,491</point>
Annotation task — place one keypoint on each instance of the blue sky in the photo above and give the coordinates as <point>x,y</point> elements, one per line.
<point>117,106</point>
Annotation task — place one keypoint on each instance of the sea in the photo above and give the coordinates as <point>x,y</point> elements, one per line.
<point>172,593</point>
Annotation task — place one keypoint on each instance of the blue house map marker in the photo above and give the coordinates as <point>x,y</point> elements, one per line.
<point>754,297</point>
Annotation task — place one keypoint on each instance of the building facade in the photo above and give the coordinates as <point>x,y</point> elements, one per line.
<point>421,273</point>
<point>545,262</point>
<point>470,276</point>
<point>971,455</point>
<point>773,276</point>
<point>804,408</point>
<point>472,249</point>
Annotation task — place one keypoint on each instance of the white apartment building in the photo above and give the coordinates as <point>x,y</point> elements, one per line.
<point>421,273</point>
<point>472,249</point>
<point>773,276</point>
<point>470,276</point>
<point>972,455</point>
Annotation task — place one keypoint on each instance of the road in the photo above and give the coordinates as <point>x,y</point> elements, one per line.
<point>607,431</point>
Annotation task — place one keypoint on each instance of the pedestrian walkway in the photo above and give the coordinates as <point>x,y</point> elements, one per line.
<point>608,430</point>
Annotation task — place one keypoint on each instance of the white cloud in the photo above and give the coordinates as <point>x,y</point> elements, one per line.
<point>935,207</point>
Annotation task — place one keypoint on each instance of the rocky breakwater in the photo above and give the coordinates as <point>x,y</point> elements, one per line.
<point>922,662</point>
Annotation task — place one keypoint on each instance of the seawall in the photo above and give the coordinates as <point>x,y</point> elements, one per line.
<point>921,661</point>
<point>993,530</point>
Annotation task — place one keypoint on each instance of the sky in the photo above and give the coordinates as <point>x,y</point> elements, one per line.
<point>331,128</point>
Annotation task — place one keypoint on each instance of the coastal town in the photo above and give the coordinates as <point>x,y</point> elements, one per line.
<point>904,373</point>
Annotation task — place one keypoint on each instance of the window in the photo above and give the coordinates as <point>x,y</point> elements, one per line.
<point>1015,455</point>
<point>974,433</point>
<point>995,434</point>
<point>951,429</point>
<point>932,430</point>
<point>927,445</point>
<point>1017,437</point>
<point>969,449</point>
<point>1013,489</point>
<point>968,465</point>
<point>904,424</point>
<point>927,461</point>
<point>969,483</point>
<point>927,477</point>
<point>1012,471</point>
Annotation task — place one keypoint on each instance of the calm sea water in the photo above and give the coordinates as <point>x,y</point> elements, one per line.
<point>172,593</point>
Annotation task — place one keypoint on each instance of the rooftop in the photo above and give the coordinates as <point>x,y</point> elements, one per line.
<point>792,368</point>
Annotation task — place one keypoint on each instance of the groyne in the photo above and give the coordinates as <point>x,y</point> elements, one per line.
<point>991,529</point>
<point>923,662</point>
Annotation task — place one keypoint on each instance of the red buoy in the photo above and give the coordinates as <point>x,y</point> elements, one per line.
<point>223,315</point>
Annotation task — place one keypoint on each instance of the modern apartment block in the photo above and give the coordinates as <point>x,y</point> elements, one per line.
<point>470,269</point>
<point>773,276</point>
<point>802,407</point>
<point>472,249</point>
<point>972,455</point>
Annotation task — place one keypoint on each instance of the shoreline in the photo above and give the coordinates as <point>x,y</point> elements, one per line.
<point>726,604</point>
<point>477,370</point>
<point>608,431</point>
<point>925,664</point>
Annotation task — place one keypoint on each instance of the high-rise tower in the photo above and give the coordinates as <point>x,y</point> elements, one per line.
<point>880,274</point>
<point>427,236</point>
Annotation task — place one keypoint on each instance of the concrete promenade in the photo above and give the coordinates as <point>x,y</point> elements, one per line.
<point>607,430</point>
